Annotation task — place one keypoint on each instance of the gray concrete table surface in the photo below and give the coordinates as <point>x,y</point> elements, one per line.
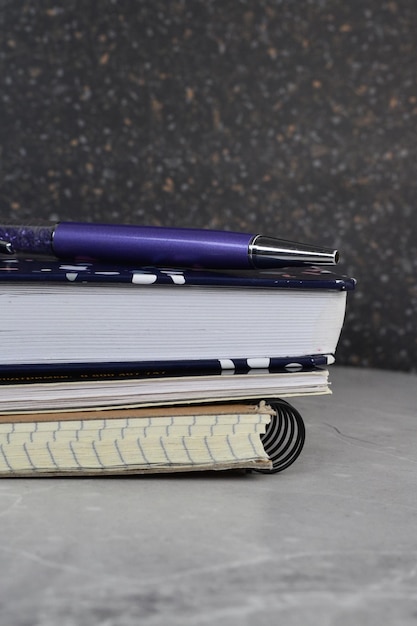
<point>332,540</point>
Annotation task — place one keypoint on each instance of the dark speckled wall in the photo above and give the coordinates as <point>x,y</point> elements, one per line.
<point>292,118</point>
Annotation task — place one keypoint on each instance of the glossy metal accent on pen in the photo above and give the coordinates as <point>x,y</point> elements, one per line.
<point>6,247</point>
<point>163,247</point>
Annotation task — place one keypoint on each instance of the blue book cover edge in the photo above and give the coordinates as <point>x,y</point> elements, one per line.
<point>38,372</point>
<point>15,269</point>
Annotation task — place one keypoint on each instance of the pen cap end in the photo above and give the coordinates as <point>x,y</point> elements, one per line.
<point>6,247</point>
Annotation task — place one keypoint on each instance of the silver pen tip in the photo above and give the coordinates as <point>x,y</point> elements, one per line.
<point>271,252</point>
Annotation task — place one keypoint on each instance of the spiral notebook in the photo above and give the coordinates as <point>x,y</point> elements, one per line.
<point>266,437</point>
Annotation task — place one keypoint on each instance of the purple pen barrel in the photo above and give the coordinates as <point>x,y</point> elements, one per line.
<point>163,247</point>
<point>147,245</point>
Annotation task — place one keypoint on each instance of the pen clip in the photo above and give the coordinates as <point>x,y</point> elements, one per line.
<point>6,247</point>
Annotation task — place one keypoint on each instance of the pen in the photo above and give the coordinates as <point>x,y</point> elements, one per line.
<point>159,246</point>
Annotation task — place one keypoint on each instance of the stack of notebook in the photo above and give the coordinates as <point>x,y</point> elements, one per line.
<point>121,369</point>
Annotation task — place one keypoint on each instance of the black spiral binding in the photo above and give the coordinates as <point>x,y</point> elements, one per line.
<point>285,436</point>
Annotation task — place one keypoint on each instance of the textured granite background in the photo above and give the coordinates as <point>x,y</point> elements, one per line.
<point>295,119</point>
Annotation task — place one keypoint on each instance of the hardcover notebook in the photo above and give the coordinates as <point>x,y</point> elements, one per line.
<point>63,395</point>
<point>57,313</point>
